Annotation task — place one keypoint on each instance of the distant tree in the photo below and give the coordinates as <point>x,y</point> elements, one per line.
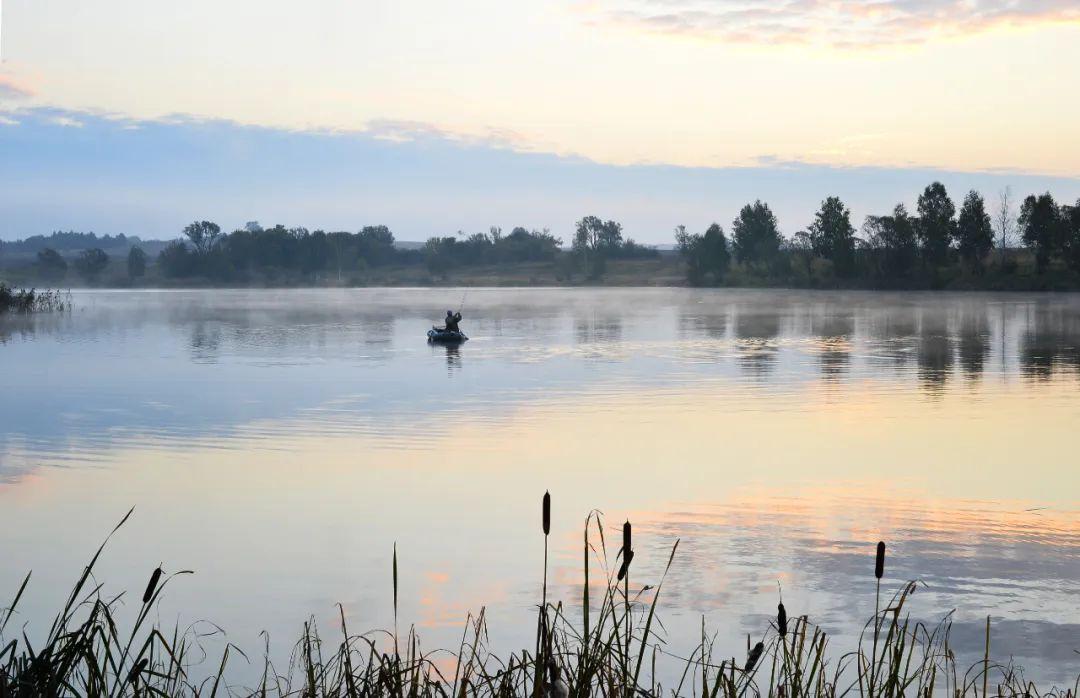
<point>974,232</point>
<point>1042,228</point>
<point>833,237</point>
<point>1071,219</point>
<point>707,256</point>
<point>136,263</point>
<point>1005,220</point>
<point>802,247</point>
<point>756,234</point>
<point>936,226</point>
<point>175,260</point>
<point>596,240</point>
<point>50,265</point>
<point>90,263</point>
<point>895,240</point>
<point>203,236</point>
<point>253,227</point>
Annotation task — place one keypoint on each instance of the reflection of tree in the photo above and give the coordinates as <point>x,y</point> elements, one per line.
<point>1050,341</point>
<point>974,341</point>
<point>593,328</point>
<point>935,350</point>
<point>205,342</point>
<point>834,332</point>
<point>756,331</point>
<point>704,324</point>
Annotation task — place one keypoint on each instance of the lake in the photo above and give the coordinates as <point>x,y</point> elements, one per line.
<point>280,443</point>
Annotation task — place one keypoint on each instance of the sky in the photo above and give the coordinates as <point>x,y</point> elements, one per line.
<point>137,117</point>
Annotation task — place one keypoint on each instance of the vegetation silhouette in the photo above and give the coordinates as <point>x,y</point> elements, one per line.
<point>613,649</point>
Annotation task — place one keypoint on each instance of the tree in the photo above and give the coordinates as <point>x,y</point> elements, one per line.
<point>1042,228</point>
<point>895,239</point>
<point>756,235</point>
<point>707,256</point>
<point>136,263</point>
<point>595,241</point>
<point>90,263</point>
<point>175,260</point>
<point>974,233</point>
<point>833,237</point>
<point>203,236</point>
<point>1071,218</point>
<point>1005,220</point>
<point>50,265</point>
<point>802,246</point>
<point>935,224</point>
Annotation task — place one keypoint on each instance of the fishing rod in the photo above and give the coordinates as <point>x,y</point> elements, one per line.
<point>462,306</point>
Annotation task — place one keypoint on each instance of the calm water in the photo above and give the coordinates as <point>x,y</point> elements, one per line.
<point>280,443</point>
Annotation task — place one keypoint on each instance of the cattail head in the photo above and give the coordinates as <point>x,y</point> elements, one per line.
<point>151,587</point>
<point>628,557</point>
<point>547,513</point>
<point>755,655</point>
<point>133,675</point>
<point>627,543</point>
<point>879,563</point>
<point>781,620</point>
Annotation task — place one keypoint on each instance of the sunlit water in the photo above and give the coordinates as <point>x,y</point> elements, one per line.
<point>279,443</point>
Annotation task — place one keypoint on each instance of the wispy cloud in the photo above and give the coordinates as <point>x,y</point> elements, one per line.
<point>12,88</point>
<point>839,23</point>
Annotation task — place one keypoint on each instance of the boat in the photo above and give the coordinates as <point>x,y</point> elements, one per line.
<point>438,334</point>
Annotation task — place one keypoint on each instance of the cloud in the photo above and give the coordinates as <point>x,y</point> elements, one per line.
<point>839,23</point>
<point>10,88</point>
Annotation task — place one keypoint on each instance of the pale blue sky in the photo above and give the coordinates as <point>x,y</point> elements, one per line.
<point>71,170</point>
<point>461,115</point>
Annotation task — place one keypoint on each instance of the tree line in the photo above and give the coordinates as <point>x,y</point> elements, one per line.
<point>930,247</point>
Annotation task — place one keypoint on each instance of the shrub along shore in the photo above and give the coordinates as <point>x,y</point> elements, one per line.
<point>610,649</point>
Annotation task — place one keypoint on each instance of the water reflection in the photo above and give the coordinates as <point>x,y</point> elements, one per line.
<point>790,428</point>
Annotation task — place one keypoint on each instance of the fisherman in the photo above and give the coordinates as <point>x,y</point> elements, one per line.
<point>452,320</point>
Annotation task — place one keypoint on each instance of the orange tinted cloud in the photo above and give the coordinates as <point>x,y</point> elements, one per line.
<point>843,23</point>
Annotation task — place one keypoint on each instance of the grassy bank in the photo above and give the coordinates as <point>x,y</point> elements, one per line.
<point>610,648</point>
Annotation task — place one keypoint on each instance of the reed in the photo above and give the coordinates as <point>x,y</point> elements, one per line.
<point>85,652</point>
<point>18,301</point>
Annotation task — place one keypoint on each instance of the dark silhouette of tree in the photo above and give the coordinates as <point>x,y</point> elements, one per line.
<point>833,237</point>
<point>707,256</point>
<point>136,263</point>
<point>203,236</point>
<point>936,226</point>
<point>595,241</point>
<point>756,235</point>
<point>175,260</point>
<point>1042,228</point>
<point>90,263</point>
<point>50,265</point>
<point>974,233</point>
<point>1071,219</point>
<point>895,240</point>
<point>802,246</point>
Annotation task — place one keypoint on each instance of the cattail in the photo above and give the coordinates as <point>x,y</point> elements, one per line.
<point>152,586</point>
<point>755,655</point>
<point>626,537</point>
<point>628,557</point>
<point>781,620</point>
<point>547,513</point>
<point>879,563</point>
<point>133,675</point>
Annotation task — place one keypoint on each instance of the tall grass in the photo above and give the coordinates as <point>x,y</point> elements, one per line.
<point>23,301</point>
<point>613,652</point>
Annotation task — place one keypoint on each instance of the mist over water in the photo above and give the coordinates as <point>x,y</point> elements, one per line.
<point>279,443</point>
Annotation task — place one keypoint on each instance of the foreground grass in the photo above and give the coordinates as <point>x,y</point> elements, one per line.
<point>611,651</point>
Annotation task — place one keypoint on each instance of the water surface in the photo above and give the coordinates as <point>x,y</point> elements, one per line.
<point>279,443</point>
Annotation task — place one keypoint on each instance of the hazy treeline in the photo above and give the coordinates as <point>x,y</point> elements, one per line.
<point>934,246</point>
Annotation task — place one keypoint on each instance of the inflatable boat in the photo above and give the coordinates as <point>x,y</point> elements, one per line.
<point>437,334</point>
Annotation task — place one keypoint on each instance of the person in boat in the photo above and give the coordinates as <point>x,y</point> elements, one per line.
<point>452,320</point>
